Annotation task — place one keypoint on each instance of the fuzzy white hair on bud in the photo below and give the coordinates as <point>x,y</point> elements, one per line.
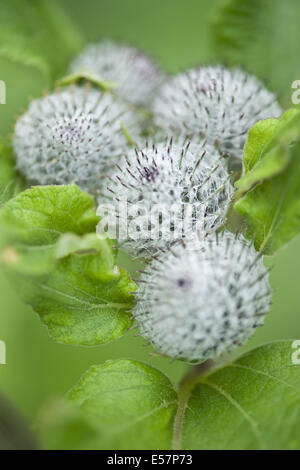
<point>203,299</point>
<point>219,104</point>
<point>135,74</point>
<point>72,136</point>
<point>172,190</point>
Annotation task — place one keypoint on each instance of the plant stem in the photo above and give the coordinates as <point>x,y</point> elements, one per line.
<point>195,371</point>
<point>185,387</point>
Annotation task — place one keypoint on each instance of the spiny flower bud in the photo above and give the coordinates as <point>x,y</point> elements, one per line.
<point>219,104</point>
<point>202,299</point>
<point>71,136</point>
<point>135,74</point>
<point>172,190</point>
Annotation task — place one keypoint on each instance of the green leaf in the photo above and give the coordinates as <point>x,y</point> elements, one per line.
<point>252,403</point>
<point>271,176</point>
<point>261,36</point>
<point>87,244</point>
<point>53,257</point>
<point>85,300</point>
<point>33,222</point>
<point>63,427</point>
<point>128,405</point>
<point>89,77</point>
<point>10,182</point>
<point>260,160</point>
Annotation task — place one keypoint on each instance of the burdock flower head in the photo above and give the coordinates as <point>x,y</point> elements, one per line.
<point>135,75</point>
<point>219,104</point>
<point>72,136</point>
<point>172,189</point>
<point>203,298</point>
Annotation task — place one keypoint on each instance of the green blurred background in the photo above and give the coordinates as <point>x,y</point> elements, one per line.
<point>179,33</point>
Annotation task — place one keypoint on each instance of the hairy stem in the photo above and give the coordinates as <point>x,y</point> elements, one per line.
<point>185,387</point>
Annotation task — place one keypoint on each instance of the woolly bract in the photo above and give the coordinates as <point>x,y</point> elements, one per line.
<point>72,136</point>
<point>204,298</point>
<point>167,191</point>
<point>219,104</point>
<point>135,75</point>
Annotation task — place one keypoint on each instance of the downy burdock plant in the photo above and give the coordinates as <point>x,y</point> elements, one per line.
<point>203,298</point>
<point>203,287</point>
<point>72,136</point>
<point>219,104</point>
<point>171,189</point>
<point>134,75</point>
